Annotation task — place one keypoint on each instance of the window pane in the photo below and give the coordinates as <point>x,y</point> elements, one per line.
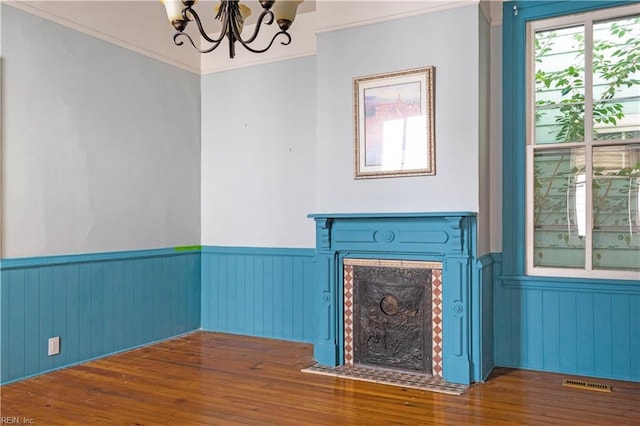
<point>559,208</point>
<point>616,79</point>
<point>616,207</point>
<point>557,123</point>
<point>559,85</point>
<point>624,125</point>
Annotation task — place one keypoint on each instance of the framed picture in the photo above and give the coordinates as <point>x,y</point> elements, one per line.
<point>394,124</point>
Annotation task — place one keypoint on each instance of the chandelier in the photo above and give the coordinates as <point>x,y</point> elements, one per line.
<point>232,14</point>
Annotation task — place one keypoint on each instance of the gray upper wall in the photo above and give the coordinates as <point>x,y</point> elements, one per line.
<point>278,139</point>
<point>258,153</point>
<point>447,40</point>
<point>101,146</point>
<point>120,139</point>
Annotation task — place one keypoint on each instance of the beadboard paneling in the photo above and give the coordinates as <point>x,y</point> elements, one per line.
<point>264,292</point>
<point>591,329</point>
<point>97,304</point>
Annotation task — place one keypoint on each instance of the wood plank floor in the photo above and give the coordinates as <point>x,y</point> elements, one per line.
<point>210,378</point>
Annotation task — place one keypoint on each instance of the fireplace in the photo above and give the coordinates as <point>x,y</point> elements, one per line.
<point>451,345</point>
<point>393,315</point>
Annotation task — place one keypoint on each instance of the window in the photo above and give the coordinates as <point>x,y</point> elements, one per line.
<point>583,145</point>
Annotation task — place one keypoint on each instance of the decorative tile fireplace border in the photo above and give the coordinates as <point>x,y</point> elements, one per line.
<point>436,321</point>
<point>436,305</point>
<point>447,238</point>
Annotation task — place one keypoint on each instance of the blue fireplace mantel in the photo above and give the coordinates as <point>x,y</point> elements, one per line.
<point>448,237</point>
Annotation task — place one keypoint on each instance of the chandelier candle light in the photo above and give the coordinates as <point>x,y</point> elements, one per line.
<point>232,14</point>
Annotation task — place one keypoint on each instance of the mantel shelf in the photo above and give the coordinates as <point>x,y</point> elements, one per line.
<point>389,215</point>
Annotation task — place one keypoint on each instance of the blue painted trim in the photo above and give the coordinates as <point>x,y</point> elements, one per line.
<point>482,325</point>
<point>571,284</point>
<point>31,262</point>
<point>529,10</point>
<point>485,261</point>
<point>514,115</point>
<point>154,342</point>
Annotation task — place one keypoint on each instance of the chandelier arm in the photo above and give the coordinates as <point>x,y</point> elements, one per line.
<point>232,22</point>
<point>196,48</point>
<point>284,43</point>
<point>193,14</point>
<point>266,13</point>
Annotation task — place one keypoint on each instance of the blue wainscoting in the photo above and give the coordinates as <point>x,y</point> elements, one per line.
<point>98,304</point>
<point>583,327</point>
<point>263,292</point>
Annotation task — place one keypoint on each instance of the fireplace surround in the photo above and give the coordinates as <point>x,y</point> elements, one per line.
<point>446,238</point>
<point>392,315</point>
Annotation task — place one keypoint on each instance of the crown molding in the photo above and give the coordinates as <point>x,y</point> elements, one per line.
<point>492,11</point>
<point>118,22</point>
<point>336,16</point>
<point>45,10</point>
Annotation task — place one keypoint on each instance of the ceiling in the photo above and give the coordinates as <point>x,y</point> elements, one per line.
<point>142,26</point>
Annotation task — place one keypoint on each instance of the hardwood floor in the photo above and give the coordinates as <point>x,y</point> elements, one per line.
<point>210,378</point>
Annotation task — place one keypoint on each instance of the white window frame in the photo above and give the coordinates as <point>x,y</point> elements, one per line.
<point>585,19</point>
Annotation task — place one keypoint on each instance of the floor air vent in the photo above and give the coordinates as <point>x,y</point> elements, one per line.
<point>599,387</point>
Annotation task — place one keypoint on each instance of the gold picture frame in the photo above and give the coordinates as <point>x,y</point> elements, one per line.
<point>394,124</point>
